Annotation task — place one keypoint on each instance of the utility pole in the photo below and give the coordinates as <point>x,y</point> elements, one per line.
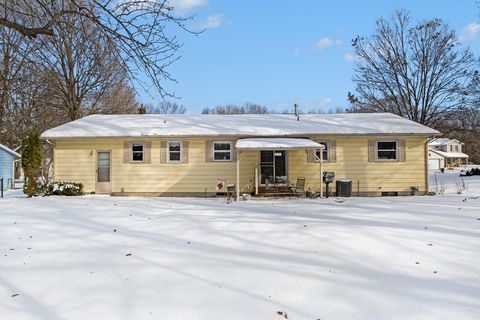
<point>295,107</point>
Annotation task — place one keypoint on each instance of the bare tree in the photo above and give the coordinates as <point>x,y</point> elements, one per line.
<point>20,87</point>
<point>141,30</point>
<point>465,127</point>
<point>120,99</point>
<point>83,66</point>
<point>166,107</point>
<point>14,55</point>
<point>74,75</point>
<point>474,89</point>
<point>237,109</point>
<point>415,70</point>
<point>30,107</point>
<point>464,123</point>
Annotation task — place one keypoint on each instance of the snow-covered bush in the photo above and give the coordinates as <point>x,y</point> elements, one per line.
<point>61,188</point>
<point>460,185</point>
<point>439,187</point>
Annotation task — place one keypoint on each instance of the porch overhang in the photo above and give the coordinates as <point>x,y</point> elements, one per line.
<point>276,144</point>
<point>449,155</point>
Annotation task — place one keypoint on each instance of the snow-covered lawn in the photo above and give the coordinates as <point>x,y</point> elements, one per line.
<point>97,257</point>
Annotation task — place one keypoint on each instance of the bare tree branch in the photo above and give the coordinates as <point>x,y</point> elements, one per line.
<point>143,31</point>
<point>415,70</point>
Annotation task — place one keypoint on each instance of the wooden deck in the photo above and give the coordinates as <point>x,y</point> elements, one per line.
<point>275,191</point>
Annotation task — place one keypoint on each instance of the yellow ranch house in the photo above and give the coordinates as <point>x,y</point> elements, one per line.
<point>187,155</point>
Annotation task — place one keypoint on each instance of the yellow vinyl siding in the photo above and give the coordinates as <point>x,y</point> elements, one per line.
<point>373,177</point>
<point>75,161</point>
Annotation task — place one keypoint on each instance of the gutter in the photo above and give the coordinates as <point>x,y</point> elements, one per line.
<point>427,149</point>
<point>296,135</point>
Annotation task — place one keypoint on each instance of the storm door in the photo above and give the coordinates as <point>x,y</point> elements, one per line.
<point>104,181</point>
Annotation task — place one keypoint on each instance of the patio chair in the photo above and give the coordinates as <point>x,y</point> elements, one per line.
<point>299,188</point>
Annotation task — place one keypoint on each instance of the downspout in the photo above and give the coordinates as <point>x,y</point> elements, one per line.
<point>321,172</point>
<point>53,156</point>
<point>237,188</point>
<point>13,173</point>
<point>256,179</point>
<point>426,162</point>
<point>17,149</point>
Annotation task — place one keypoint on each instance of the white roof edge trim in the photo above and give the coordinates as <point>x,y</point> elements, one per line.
<point>450,154</point>
<point>277,144</point>
<point>5,148</point>
<point>229,136</point>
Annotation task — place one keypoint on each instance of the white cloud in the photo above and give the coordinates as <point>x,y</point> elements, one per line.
<point>323,102</point>
<point>351,57</point>
<point>213,21</point>
<point>470,32</point>
<point>323,43</point>
<point>326,42</point>
<point>186,5</point>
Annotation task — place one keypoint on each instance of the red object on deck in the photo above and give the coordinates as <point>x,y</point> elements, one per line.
<point>220,185</point>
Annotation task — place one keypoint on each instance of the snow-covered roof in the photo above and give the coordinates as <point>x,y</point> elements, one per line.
<point>277,143</point>
<point>260,125</point>
<point>443,142</point>
<point>8,150</point>
<point>450,154</point>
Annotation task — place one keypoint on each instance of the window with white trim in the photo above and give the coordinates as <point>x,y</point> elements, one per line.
<point>325,152</point>
<point>222,151</point>
<point>387,150</point>
<point>137,151</point>
<point>174,151</point>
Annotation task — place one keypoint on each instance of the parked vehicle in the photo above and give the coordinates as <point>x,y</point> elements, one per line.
<point>470,172</point>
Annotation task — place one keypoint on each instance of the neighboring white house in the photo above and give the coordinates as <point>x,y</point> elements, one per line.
<point>444,152</point>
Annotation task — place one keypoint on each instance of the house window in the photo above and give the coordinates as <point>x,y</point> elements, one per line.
<point>456,148</point>
<point>174,151</point>
<point>137,151</point>
<point>387,150</point>
<point>222,151</point>
<point>325,152</point>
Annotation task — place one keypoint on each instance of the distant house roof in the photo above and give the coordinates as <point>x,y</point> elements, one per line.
<point>450,154</point>
<point>259,125</point>
<point>443,142</point>
<point>10,151</point>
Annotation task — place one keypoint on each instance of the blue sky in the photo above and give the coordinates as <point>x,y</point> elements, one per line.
<point>276,53</point>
